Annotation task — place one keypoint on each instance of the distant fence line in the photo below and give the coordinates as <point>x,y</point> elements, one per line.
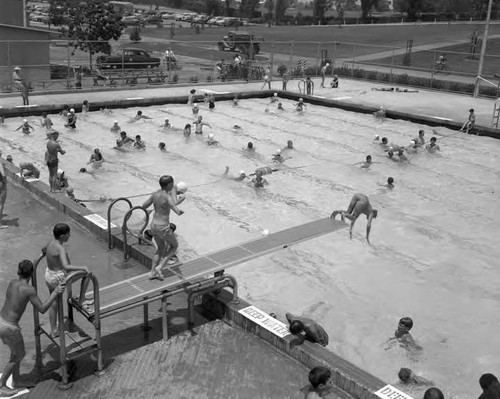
<point>59,67</point>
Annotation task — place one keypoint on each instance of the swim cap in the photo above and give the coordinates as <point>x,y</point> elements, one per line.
<point>72,110</point>
<point>195,105</point>
<point>60,171</point>
<point>381,107</point>
<point>377,137</point>
<point>115,121</point>
<point>25,120</point>
<point>301,99</point>
<point>242,172</point>
<point>278,152</point>
<point>181,187</point>
<point>210,136</point>
<point>17,68</point>
<point>275,94</point>
<point>413,142</point>
<point>391,148</point>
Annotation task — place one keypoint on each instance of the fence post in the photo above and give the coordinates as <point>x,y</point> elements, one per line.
<point>291,56</point>
<point>318,61</point>
<point>353,59</point>
<point>272,61</point>
<point>334,57</point>
<point>392,66</point>
<point>432,69</point>
<point>68,75</point>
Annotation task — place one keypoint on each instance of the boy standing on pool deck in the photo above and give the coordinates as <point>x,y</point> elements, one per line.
<point>19,293</point>
<point>360,204</point>
<point>163,235</point>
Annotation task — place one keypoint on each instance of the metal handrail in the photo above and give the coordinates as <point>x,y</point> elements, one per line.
<point>36,319</point>
<point>110,238</point>
<point>125,230</point>
<point>79,274</point>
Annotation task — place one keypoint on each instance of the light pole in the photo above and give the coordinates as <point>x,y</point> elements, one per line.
<point>483,50</point>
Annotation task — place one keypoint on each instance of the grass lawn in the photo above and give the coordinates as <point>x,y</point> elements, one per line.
<point>457,58</point>
<point>306,38</point>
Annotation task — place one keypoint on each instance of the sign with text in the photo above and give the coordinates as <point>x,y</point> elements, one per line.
<point>99,221</point>
<point>264,320</point>
<point>389,392</point>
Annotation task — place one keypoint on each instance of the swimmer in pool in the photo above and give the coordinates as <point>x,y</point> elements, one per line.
<point>138,116</point>
<point>46,122</point>
<point>249,147</point>
<point>195,109</point>
<point>26,127</point>
<point>119,146</point>
<point>360,204</point>
<point>402,335</point>
<point>365,165</point>
<point>166,125</point>
<point>96,159</point>
<point>274,98</point>
<point>187,131</point>
<point>258,181</point>
<point>29,170</point>
<point>300,105</point>
<point>211,140</point>
<point>161,146</point>
<point>412,148</point>
<point>139,144</point>
<point>384,143</point>
<point>407,377</point>
<point>420,140</point>
<point>380,114</point>
<point>199,125</point>
<point>264,170</point>
<point>389,184</point>
<point>126,141</point>
<point>71,119</point>
<point>235,100</point>
<point>115,128</point>
<point>277,157</point>
<point>240,177</point>
<point>280,107</point>
<point>432,147</point>
<point>289,146</point>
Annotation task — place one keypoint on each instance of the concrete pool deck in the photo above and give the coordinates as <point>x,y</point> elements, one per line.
<point>215,361</point>
<point>436,104</point>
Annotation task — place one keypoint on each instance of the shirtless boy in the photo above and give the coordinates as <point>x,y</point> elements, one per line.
<point>53,148</point>
<point>199,125</point>
<point>19,293</point>
<point>360,204</point>
<point>3,190</point>
<point>163,236</point>
<point>58,266</point>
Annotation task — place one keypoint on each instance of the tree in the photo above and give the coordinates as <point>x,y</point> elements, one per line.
<point>320,7</point>
<point>280,10</point>
<point>414,9</point>
<point>91,25</point>
<point>366,7</point>
<point>213,7</point>
<point>339,7</point>
<point>247,8</point>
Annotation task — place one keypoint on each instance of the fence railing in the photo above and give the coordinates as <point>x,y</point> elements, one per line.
<point>56,65</point>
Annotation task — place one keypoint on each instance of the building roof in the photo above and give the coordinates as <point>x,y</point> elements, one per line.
<point>52,33</point>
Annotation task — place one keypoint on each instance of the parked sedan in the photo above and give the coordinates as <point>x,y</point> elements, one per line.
<point>128,58</point>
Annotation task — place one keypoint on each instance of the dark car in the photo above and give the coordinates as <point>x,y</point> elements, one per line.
<point>128,58</point>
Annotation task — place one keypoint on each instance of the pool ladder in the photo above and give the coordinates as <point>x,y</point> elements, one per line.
<point>73,341</point>
<point>125,230</point>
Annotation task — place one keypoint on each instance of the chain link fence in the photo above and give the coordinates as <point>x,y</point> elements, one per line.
<point>56,65</point>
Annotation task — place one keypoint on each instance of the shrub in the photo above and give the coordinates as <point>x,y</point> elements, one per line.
<point>193,79</point>
<point>210,78</point>
<point>282,69</point>
<point>175,78</point>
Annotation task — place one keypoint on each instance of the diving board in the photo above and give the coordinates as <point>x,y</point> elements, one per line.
<point>135,289</point>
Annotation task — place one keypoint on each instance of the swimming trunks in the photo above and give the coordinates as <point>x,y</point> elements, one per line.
<point>53,163</point>
<point>164,233</point>
<point>11,336</point>
<point>54,277</point>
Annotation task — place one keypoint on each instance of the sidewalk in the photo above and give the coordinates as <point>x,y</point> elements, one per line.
<point>425,102</point>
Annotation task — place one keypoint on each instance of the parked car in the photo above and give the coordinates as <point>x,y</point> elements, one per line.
<point>153,19</point>
<point>131,20</point>
<point>241,42</point>
<point>128,58</point>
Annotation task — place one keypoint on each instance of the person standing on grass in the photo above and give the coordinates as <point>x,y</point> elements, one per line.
<point>19,293</point>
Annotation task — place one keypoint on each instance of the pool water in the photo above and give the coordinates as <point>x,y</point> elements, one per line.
<point>433,247</point>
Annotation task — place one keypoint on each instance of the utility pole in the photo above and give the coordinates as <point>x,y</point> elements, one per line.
<point>483,50</point>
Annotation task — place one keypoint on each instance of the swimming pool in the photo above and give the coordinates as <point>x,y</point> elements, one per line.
<point>433,246</point>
